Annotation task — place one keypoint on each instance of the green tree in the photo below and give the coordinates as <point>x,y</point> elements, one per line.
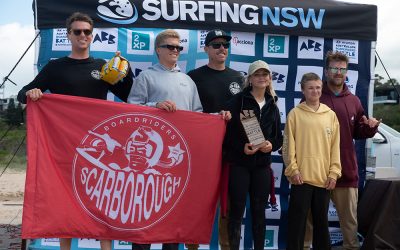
<point>391,83</point>
<point>390,114</point>
<point>378,81</point>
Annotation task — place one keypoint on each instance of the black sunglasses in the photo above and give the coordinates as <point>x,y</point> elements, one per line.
<point>79,32</point>
<point>218,45</point>
<point>172,47</point>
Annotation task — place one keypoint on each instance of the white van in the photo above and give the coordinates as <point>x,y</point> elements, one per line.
<point>384,158</point>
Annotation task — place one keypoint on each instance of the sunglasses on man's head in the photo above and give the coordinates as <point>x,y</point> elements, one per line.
<point>79,32</point>
<point>334,70</point>
<point>171,47</point>
<point>218,45</point>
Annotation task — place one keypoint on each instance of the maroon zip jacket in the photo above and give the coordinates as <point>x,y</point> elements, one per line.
<point>349,111</point>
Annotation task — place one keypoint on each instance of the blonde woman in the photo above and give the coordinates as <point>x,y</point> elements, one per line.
<point>250,170</point>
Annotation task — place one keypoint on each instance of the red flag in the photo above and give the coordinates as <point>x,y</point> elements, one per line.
<point>105,170</point>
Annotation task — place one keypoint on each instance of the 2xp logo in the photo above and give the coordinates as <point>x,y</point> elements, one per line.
<point>117,11</point>
<point>276,44</point>
<point>131,170</point>
<point>140,41</point>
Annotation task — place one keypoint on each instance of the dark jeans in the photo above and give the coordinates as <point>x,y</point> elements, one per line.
<point>165,246</point>
<point>256,182</point>
<point>302,198</point>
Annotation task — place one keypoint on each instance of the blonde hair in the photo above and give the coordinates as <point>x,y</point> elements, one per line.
<point>309,77</point>
<point>270,89</point>
<point>168,33</point>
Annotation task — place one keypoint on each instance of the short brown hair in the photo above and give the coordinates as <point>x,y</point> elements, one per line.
<point>337,57</point>
<point>78,16</point>
<point>309,77</point>
<point>168,33</point>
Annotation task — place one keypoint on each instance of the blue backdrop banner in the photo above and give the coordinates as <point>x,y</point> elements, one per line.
<point>289,58</point>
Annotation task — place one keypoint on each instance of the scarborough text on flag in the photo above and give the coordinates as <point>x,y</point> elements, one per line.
<point>105,170</point>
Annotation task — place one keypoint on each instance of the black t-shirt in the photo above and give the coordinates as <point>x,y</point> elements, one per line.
<point>216,87</point>
<point>77,77</point>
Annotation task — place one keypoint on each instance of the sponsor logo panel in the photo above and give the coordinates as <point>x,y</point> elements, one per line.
<point>60,40</point>
<point>296,101</point>
<point>274,211</point>
<point>243,43</point>
<point>278,170</point>
<point>182,65</point>
<point>351,80</point>
<point>279,76</point>
<point>88,243</point>
<point>347,47</point>
<point>140,42</point>
<point>105,40</point>
<point>201,38</point>
<point>51,242</point>
<point>276,46</point>
<point>138,67</point>
<point>335,235</point>
<point>200,62</point>
<point>242,67</point>
<point>301,70</point>
<point>332,213</point>
<point>241,245</point>
<point>271,237</point>
<point>120,244</point>
<point>282,109</point>
<point>185,38</point>
<point>310,48</point>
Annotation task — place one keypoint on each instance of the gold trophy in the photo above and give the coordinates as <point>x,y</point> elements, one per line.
<point>114,70</point>
<point>252,128</point>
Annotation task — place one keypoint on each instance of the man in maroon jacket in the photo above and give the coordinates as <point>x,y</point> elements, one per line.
<point>353,125</point>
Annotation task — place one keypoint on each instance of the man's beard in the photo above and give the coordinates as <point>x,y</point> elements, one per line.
<point>336,81</point>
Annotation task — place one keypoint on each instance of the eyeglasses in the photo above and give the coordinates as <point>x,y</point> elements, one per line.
<point>334,70</point>
<point>172,47</point>
<point>218,45</point>
<point>79,32</point>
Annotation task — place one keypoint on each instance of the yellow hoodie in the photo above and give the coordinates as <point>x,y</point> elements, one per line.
<point>311,144</point>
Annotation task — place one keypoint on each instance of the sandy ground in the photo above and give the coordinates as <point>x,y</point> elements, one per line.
<point>11,197</point>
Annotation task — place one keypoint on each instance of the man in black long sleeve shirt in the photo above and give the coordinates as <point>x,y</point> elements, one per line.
<point>77,77</point>
<point>78,74</point>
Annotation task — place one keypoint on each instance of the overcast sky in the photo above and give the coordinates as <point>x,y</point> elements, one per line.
<point>17,32</point>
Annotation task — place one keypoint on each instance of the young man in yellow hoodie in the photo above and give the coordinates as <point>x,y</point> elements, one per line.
<point>312,158</point>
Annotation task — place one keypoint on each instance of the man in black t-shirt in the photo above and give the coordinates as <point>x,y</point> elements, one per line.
<point>77,74</point>
<point>216,84</point>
